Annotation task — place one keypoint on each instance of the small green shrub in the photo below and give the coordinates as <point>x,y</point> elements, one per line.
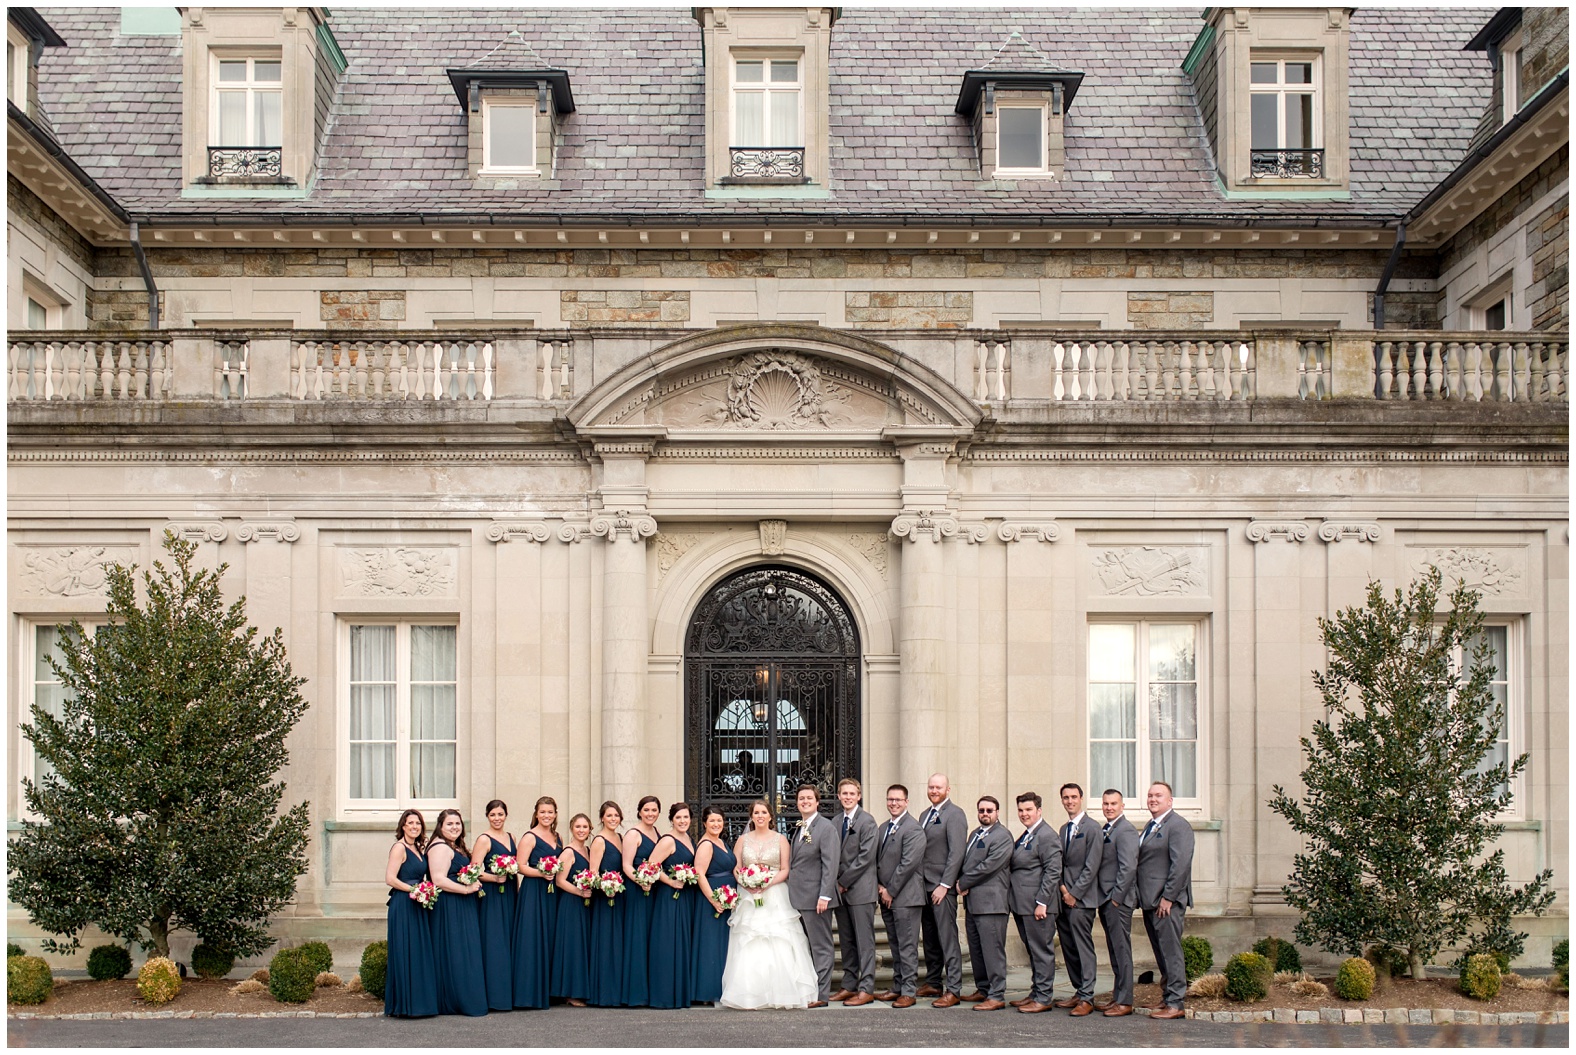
<point>375,968</point>
<point>1387,961</point>
<point>291,976</point>
<point>1355,979</point>
<point>1197,955</point>
<point>1562,963</point>
<point>1247,977</point>
<point>108,962</point>
<point>1481,976</point>
<point>29,979</point>
<point>1282,955</point>
<point>159,981</point>
<point>318,955</point>
<point>212,962</point>
<point>13,949</point>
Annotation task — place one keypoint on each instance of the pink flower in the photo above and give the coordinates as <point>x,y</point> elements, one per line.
<point>424,894</point>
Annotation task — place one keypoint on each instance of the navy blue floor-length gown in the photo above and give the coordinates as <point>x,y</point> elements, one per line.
<point>711,929</point>
<point>410,988</point>
<point>637,929</point>
<point>572,946</point>
<point>456,933</point>
<point>497,910</point>
<point>605,962</point>
<point>534,932</point>
<point>672,941</point>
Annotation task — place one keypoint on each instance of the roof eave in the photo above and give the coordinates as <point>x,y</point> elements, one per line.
<point>35,26</point>
<point>1498,27</point>
<point>557,81</point>
<point>974,82</point>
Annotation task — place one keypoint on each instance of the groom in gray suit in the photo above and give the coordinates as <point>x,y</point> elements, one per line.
<point>1165,891</point>
<point>946,830</point>
<point>983,886</point>
<point>899,854</point>
<point>856,889</point>
<point>1118,896</point>
<point>1080,897</point>
<point>812,884</point>
<point>1036,888</point>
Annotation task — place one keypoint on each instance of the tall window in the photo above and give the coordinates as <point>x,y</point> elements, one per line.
<point>43,686</point>
<point>16,56</point>
<point>1510,77</point>
<point>1020,139</point>
<point>508,136</point>
<point>401,699</point>
<point>766,103</point>
<point>1502,685</point>
<point>1143,706</point>
<point>1285,136</point>
<point>248,103</point>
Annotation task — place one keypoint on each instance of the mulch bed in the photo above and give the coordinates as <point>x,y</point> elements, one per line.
<point>85,996</point>
<point>1401,992</point>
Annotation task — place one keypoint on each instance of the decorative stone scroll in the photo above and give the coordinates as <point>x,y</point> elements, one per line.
<point>1278,531</point>
<point>974,532</point>
<point>518,531</point>
<point>774,536</point>
<point>623,523</point>
<point>1348,531</point>
<point>71,571</point>
<point>574,531</point>
<point>872,546</point>
<point>936,524</point>
<point>271,531</point>
<point>670,548</point>
<point>1477,568</point>
<point>201,531</point>
<point>1149,571</point>
<point>398,571</point>
<point>1018,531</point>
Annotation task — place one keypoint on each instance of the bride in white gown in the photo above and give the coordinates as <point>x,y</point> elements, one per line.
<point>768,955</point>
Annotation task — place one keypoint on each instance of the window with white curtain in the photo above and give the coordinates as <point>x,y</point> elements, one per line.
<point>1285,104</point>
<point>767,94</point>
<point>1020,139</point>
<point>401,706</point>
<point>41,643</point>
<point>1144,691</point>
<point>1504,684</point>
<point>508,135</point>
<point>247,103</point>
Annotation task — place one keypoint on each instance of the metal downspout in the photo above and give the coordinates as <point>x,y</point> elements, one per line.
<point>147,279</point>
<point>1389,271</point>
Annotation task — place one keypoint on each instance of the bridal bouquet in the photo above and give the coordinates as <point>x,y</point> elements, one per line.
<point>585,882</point>
<point>549,867</point>
<point>684,874</point>
<point>424,894</point>
<point>472,873</point>
<point>646,875</point>
<point>754,878</point>
<point>611,884</point>
<point>726,897</point>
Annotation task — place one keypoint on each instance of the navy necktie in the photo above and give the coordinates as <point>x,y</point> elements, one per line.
<point>1149,829</point>
<point>845,825</point>
<point>1071,828</point>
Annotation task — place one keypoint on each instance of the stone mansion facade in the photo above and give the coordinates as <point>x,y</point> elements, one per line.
<point>699,401</point>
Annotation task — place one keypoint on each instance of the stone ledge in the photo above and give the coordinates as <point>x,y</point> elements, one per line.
<point>1437,1016</point>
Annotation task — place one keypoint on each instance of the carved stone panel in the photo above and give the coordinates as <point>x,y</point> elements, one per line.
<point>1151,571</point>
<point>69,571</point>
<point>774,536</point>
<point>1490,570</point>
<point>872,545</point>
<point>397,571</point>
<point>670,547</point>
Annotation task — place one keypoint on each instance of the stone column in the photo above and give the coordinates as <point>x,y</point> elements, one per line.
<point>625,648</point>
<point>1039,696</point>
<point>922,644</point>
<point>520,746</point>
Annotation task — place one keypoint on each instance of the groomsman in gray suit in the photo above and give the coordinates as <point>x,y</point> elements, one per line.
<point>1118,897</point>
<point>1165,892</point>
<point>899,857</point>
<point>983,885</point>
<point>856,890</point>
<point>946,830</point>
<point>812,884</point>
<point>1036,887</point>
<point>1080,899</point>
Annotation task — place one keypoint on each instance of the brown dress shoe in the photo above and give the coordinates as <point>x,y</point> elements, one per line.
<point>1082,1008</point>
<point>990,1005</point>
<point>1117,1010</point>
<point>816,1003</point>
<point>974,997</point>
<point>1071,1001</point>
<point>1019,1002</point>
<point>1168,1012</point>
<point>840,995</point>
<point>1034,1007</point>
<point>928,990</point>
<point>886,996</point>
<point>947,1000</point>
<point>903,1001</point>
<point>1101,1005</point>
<point>860,1000</point>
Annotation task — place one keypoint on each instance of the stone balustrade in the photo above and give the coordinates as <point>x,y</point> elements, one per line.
<point>1501,367</point>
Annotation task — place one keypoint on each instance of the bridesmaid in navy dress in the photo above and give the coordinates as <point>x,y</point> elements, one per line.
<point>672,951</point>
<point>572,946</point>
<point>497,910</point>
<point>534,920</point>
<point>639,841</point>
<point>714,864</point>
<point>456,924</point>
<point>606,969</point>
<point>411,985</point>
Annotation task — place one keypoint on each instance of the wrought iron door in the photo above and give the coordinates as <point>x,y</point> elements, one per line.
<point>771,694</point>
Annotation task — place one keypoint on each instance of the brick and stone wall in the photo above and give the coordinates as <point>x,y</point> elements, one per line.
<point>1545,47</point>
<point>23,204</point>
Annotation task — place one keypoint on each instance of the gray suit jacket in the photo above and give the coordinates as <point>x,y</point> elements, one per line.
<point>944,845</point>
<point>1165,864</point>
<point>986,864</point>
<point>812,866</point>
<point>1081,863</point>
<point>1036,871</point>
<point>1119,864</point>
<point>898,862</point>
<point>857,861</point>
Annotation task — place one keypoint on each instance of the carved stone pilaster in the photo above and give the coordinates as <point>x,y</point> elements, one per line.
<point>1349,531</point>
<point>1018,530</point>
<point>622,523</point>
<point>1278,531</point>
<point>285,531</point>
<point>774,536</point>
<point>934,524</point>
<point>518,531</point>
<point>574,531</point>
<point>199,531</point>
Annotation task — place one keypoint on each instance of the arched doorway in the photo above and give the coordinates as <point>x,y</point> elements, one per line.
<point>771,692</point>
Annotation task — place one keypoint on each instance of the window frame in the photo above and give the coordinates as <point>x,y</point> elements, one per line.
<point>1509,77</point>
<point>1044,166</point>
<point>1515,679</point>
<point>16,76</point>
<point>36,292</point>
<point>516,103</point>
<point>1281,89</point>
<point>26,655</point>
<point>389,808</point>
<point>1195,804</point>
<point>767,89</point>
<point>250,89</point>
<point>1499,291</point>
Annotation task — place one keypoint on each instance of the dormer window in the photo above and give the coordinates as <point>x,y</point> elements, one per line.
<point>248,117</point>
<point>508,136</point>
<point>1510,76</point>
<point>1017,103</point>
<point>513,102</point>
<point>768,120</point>
<point>1020,140</point>
<point>1285,113</point>
<point>16,67</point>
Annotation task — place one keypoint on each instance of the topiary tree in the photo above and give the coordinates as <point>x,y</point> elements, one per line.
<point>1198,956</point>
<point>1400,802</point>
<point>159,814</point>
<point>28,980</point>
<point>159,981</point>
<point>318,955</point>
<point>108,962</point>
<point>291,977</point>
<point>1248,976</point>
<point>1355,979</point>
<point>374,968</point>
<point>209,961</point>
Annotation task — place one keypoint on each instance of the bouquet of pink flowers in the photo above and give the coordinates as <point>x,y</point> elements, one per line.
<point>472,873</point>
<point>684,874</point>
<point>726,897</point>
<point>611,884</point>
<point>585,882</point>
<point>549,867</point>
<point>504,865</point>
<point>754,878</point>
<point>646,875</point>
<point>425,894</point>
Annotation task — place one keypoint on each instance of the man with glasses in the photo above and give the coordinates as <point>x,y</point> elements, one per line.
<point>900,853</point>
<point>982,884</point>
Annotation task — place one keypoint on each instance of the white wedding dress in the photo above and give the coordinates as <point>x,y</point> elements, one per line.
<point>768,955</point>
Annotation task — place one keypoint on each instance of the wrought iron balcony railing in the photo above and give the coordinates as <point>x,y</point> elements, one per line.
<point>1288,164</point>
<point>245,162</point>
<point>784,164</point>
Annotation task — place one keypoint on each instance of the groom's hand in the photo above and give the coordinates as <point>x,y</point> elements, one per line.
<point>938,895</point>
<point>821,903</point>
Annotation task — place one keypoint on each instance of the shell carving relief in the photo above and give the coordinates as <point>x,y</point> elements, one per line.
<point>71,571</point>
<point>397,572</point>
<point>1149,571</point>
<point>1487,571</point>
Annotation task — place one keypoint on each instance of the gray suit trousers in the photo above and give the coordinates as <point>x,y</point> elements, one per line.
<point>856,933</point>
<point>902,927</point>
<point>1165,937</point>
<point>1118,923</point>
<point>1076,927</point>
<point>818,928</point>
<point>1037,935</point>
<point>988,951</point>
<point>943,955</point>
